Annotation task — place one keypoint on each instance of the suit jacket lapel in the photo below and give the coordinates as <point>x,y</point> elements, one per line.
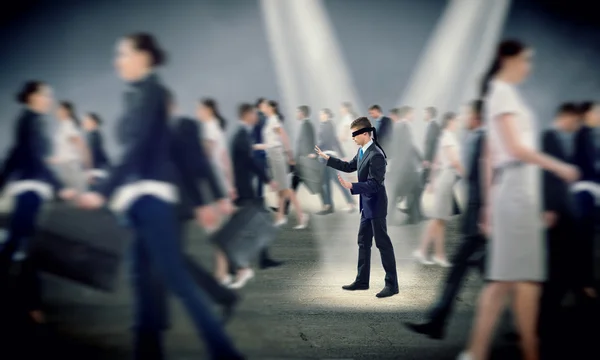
<point>364,158</point>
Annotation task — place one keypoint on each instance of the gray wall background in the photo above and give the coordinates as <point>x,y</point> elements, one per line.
<point>218,48</point>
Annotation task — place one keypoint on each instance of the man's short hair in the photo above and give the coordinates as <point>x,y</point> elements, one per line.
<point>375,107</point>
<point>569,109</point>
<point>243,109</point>
<point>395,111</point>
<point>260,101</point>
<point>360,123</point>
<point>432,111</point>
<point>305,110</point>
<point>404,110</point>
<point>586,106</point>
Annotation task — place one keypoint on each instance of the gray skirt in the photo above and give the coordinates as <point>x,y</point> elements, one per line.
<point>516,251</point>
<point>443,194</point>
<point>278,167</point>
<point>72,175</point>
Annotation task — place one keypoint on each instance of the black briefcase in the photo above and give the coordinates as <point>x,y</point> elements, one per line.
<point>79,245</point>
<point>245,235</point>
<point>311,172</point>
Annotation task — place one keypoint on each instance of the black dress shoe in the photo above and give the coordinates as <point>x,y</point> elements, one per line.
<point>355,286</point>
<point>270,263</point>
<point>387,292</point>
<point>431,329</point>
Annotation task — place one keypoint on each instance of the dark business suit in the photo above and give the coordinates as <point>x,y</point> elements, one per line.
<point>305,145</point>
<point>472,245</point>
<point>26,162</point>
<point>406,161</point>
<point>565,252</point>
<point>96,145</point>
<point>244,164</point>
<point>260,156</point>
<point>373,208</point>
<point>187,151</point>
<point>157,263</point>
<point>384,128</point>
<point>431,144</point>
<point>587,159</point>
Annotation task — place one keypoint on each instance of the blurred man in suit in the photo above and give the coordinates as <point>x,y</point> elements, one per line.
<point>406,162</point>
<point>473,242</point>
<point>245,164</point>
<point>382,124</point>
<point>370,163</point>
<point>431,141</point>
<point>564,254</point>
<point>304,146</point>
<point>260,156</point>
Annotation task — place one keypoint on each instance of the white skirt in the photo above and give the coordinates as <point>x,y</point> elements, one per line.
<point>278,167</point>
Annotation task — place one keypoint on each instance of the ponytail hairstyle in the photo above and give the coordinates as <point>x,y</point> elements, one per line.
<point>70,108</point>
<point>28,89</point>
<point>507,48</point>
<point>147,43</point>
<point>214,107</point>
<point>275,105</point>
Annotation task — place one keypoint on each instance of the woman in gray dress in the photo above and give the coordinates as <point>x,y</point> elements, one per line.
<point>448,168</point>
<point>516,252</point>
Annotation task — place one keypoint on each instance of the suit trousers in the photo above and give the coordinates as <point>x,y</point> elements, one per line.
<point>369,229</point>
<point>157,265</point>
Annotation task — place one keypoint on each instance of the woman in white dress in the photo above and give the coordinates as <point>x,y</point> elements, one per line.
<point>276,143</point>
<point>71,157</point>
<point>516,251</point>
<point>448,168</point>
<point>215,145</point>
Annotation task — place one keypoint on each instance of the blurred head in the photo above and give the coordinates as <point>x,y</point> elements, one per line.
<point>375,112</point>
<point>394,114</point>
<point>430,113</point>
<point>303,112</point>
<point>512,61</point>
<point>91,121</point>
<point>271,108</point>
<point>325,114</point>
<point>590,111</point>
<point>473,114</point>
<point>359,124</point>
<point>66,111</point>
<point>137,55</point>
<point>247,113</point>
<point>346,108</point>
<point>405,113</point>
<point>568,117</point>
<point>206,110</point>
<point>37,96</point>
<point>261,104</point>
<point>449,121</point>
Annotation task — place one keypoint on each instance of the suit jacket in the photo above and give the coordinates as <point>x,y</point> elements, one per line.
<point>27,158</point>
<point>96,145</point>
<point>470,222</point>
<point>257,135</point>
<point>556,191</point>
<point>245,164</point>
<point>384,132</point>
<point>188,154</point>
<point>305,144</point>
<point>371,177</point>
<point>585,154</point>
<point>431,140</point>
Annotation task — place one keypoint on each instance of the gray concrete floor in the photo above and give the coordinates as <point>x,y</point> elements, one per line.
<point>298,311</point>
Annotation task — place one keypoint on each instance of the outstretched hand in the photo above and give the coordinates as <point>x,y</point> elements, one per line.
<point>345,184</point>
<point>321,153</point>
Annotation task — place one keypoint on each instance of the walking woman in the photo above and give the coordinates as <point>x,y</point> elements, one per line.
<point>143,188</point>
<point>30,182</point>
<point>329,143</point>
<point>280,157</point>
<point>516,251</point>
<point>448,168</point>
<point>72,156</point>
